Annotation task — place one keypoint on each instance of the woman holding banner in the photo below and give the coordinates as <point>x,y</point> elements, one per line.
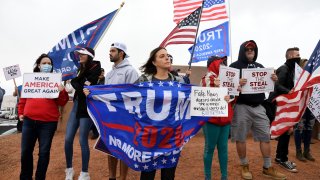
<point>157,69</point>
<point>40,118</point>
<point>216,130</point>
<point>88,74</point>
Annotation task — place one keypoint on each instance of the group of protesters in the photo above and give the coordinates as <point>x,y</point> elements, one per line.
<point>246,113</point>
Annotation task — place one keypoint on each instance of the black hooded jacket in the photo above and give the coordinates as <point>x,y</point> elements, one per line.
<point>91,74</point>
<point>243,63</point>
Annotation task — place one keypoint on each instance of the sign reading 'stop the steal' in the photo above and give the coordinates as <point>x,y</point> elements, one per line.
<point>41,85</point>
<point>258,80</point>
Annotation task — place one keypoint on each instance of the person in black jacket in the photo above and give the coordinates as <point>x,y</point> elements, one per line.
<point>285,85</point>
<point>249,114</point>
<point>88,74</point>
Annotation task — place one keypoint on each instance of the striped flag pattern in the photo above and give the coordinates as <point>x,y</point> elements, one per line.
<point>185,32</point>
<point>212,9</point>
<point>290,107</point>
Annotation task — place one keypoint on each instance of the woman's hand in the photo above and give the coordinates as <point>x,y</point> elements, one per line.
<point>216,82</point>
<point>21,117</point>
<point>87,83</point>
<point>227,98</point>
<point>86,91</point>
<point>61,88</point>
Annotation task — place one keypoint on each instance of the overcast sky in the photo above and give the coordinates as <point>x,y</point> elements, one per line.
<point>29,28</point>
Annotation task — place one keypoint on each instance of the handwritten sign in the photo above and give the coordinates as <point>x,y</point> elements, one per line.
<point>12,72</point>
<point>41,85</point>
<point>258,80</point>
<point>208,102</point>
<point>314,102</point>
<point>229,78</point>
<point>297,72</point>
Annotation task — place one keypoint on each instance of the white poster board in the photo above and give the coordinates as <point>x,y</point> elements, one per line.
<point>41,85</point>
<point>314,102</point>
<point>208,102</point>
<point>297,72</point>
<point>258,80</point>
<point>229,78</point>
<point>12,72</point>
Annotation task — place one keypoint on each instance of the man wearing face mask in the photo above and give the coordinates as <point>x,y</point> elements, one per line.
<point>249,114</point>
<point>284,85</point>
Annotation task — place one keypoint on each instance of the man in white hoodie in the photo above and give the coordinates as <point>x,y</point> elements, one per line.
<point>122,73</point>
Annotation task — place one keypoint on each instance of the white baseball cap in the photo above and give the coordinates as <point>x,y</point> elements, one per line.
<point>86,51</point>
<point>120,46</point>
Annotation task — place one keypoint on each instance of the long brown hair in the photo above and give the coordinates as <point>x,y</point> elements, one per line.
<point>149,68</point>
<point>38,61</point>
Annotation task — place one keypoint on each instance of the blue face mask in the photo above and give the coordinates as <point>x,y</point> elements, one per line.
<point>46,68</point>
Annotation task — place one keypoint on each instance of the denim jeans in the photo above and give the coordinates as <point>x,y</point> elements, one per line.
<point>84,124</point>
<point>31,132</point>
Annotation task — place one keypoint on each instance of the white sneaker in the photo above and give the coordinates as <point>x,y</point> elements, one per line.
<point>69,173</point>
<point>84,176</point>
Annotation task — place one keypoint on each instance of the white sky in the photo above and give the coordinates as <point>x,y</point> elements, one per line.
<point>29,28</point>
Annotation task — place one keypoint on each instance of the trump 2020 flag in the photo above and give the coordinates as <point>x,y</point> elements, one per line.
<point>87,36</point>
<point>145,125</point>
<point>210,42</point>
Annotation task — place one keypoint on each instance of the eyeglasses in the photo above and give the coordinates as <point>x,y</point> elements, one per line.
<point>249,49</point>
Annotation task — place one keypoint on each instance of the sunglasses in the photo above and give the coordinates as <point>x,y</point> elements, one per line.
<point>249,49</point>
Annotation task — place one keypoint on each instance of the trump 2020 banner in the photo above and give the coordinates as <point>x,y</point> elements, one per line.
<point>210,42</point>
<point>88,35</point>
<point>145,125</point>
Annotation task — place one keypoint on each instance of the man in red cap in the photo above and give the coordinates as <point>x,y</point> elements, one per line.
<point>249,114</point>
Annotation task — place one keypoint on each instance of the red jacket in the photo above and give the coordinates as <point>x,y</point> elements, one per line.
<point>208,81</point>
<point>42,109</point>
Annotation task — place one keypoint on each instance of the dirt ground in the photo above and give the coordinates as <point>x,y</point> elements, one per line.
<point>190,165</point>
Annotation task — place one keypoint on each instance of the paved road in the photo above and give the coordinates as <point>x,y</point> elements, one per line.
<point>6,125</point>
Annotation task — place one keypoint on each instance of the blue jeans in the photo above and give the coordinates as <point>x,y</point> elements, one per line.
<point>84,124</point>
<point>303,130</point>
<point>31,132</point>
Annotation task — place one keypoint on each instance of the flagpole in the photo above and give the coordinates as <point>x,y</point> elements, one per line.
<point>230,46</point>
<point>195,41</point>
<point>104,32</point>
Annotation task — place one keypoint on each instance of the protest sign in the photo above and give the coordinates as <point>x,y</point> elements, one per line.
<point>12,72</point>
<point>297,72</point>
<point>229,78</point>
<point>314,102</point>
<point>41,85</point>
<point>258,80</point>
<point>208,102</point>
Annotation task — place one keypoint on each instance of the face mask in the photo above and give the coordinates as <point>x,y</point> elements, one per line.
<point>46,68</point>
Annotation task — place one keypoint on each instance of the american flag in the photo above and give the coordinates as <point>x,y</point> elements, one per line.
<point>185,32</point>
<point>212,9</point>
<point>290,107</point>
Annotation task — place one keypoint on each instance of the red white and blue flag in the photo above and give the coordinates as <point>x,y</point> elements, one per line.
<point>212,9</point>
<point>185,32</point>
<point>145,125</point>
<point>290,107</point>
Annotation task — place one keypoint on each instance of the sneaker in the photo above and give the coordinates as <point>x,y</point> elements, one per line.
<point>84,176</point>
<point>245,173</point>
<point>277,160</point>
<point>273,173</point>
<point>287,165</point>
<point>69,173</point>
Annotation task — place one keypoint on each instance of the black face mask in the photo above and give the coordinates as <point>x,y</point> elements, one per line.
<point>296,60</point>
